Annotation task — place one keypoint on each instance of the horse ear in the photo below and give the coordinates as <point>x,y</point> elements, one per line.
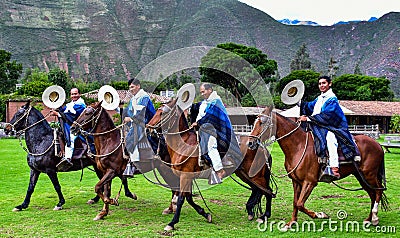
<point>28,103</point>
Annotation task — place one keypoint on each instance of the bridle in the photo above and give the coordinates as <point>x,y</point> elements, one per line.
<point>267,120</point>
<point>26,127</point>
<point>169,114</point>
<point>94,120</point>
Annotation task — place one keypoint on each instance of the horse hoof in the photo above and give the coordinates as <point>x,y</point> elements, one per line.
<point>168,228</point>
<point>375,221</point>
<point>56,208</point>
<point>250,217</point>
<point>97,218</point>
<point>134,197</point>
<point>259,220</point>
<point>90,202</point>
<point>321,215</point>
<point>209,218</point>
<point>167,211</point>
<point>285,228</point>
<point>16,209</point>
<point>115,202</point>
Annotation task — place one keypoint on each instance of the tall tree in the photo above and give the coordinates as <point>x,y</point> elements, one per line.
<point>59,77</point>
<point>362,88</point>
<point>301,60</point>
<point>230,64</point>
<point>10,71</point>
<point>332,67</point>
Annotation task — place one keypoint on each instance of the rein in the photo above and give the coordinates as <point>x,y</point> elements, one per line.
<point>258,138</point>
<point>20,132</point>
<point>164,121</point>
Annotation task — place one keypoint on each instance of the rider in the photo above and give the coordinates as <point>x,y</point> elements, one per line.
<point>140,110</point>
<point>329,125</point>
<point>215,127</point>
<point>68,114</point>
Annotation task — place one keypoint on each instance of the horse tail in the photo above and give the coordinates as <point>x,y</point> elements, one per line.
<point>382,180</point>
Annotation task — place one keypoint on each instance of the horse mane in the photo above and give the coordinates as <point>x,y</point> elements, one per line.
<point>39,116</point>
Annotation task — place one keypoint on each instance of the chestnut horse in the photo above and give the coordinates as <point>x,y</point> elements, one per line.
<point>41,148</point>
<point>303,168</point>
<point>109,143</point>
<point>183,148</point>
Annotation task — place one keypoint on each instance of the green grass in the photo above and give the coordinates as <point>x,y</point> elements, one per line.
<point>142,218</point>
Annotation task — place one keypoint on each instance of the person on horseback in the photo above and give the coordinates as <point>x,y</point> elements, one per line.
<point>329,125</point>
<point>138,113</point>
<point>67,115</point>
<point>215,127</point>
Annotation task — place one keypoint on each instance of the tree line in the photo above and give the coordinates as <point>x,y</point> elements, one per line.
<point>236,64</point>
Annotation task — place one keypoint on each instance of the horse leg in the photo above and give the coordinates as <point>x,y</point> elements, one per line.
<point>268,207</point>
<point>128,192</point>
<point>34,176</point>
<point>175,219</point>
<point>172,205</point>
<point>102,213</point>
<point>103,186</point>
<point>251,203</point>
<point>97,197</point>
<point>56,184</point>
<point>375,195</point>
<point>199,210</point>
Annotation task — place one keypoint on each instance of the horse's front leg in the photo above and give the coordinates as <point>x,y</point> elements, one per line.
<point>103,187</point>
<point>34,176</point>
<point>56,184</point>
<point>102,213</point>
<point>128,192</point>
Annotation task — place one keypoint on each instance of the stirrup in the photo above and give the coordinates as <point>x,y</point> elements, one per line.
<point>64,165</point>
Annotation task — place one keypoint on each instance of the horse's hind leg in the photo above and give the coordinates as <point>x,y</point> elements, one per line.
<point>253,200</point>
<point>54,179</point>
<point>175,219</point>
<point>102,213</point>
<point>199,210</point>
<point>375,195</point>
<point>34,176</point>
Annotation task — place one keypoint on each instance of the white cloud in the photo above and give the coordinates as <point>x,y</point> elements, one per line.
<point>325,12</point>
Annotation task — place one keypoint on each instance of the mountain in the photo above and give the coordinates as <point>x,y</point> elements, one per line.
<point>355,21</point>
<point>107,40</point>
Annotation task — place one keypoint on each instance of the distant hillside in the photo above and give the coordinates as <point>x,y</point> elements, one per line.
<point>111,39</point>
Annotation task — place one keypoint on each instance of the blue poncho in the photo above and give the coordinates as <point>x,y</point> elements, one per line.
<point>331,118</point>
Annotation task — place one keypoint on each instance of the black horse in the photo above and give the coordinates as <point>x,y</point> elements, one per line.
<point>41,146</point>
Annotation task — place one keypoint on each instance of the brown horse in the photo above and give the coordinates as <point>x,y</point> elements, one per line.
<point>43,150</point>
<point>183,148</point>
<point>109,143</point>
<point>303,168</point>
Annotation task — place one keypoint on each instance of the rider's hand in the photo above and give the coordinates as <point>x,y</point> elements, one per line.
<point>54,113</point>
<point>302,118</point>
<point>194,124</point>
<point>127,119</point>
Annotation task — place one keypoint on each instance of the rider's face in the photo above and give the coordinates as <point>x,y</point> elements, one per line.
<point>205,92</point>
<point>324,85</point>
<point>75,94</point>
<point>134,88</point>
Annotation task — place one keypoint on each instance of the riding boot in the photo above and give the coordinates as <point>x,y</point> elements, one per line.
<point>64,164</point>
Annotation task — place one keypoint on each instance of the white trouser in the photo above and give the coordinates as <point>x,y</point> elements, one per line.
<point>69,150</point>
<point>214,154</point>
<point>332,149</point>
<point>134,157</point>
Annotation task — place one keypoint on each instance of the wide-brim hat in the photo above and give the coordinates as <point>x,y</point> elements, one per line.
<point>185,96</point>
<point>53,96</point>
<point>109,97</point>
<point>293,92</point>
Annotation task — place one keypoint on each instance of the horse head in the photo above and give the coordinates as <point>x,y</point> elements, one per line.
<point>88,118</point>
<point>262,128</point>
<point>19,120</point>
<point>162,117</point>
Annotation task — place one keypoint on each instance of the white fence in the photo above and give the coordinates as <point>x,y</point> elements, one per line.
<point>370,130</point>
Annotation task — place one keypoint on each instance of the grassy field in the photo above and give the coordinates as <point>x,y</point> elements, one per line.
<point>142,218</point>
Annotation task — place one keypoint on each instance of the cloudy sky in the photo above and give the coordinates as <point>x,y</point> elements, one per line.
<point>325,12</point>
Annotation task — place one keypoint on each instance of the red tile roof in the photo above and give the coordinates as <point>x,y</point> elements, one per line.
<point>372,108</point>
